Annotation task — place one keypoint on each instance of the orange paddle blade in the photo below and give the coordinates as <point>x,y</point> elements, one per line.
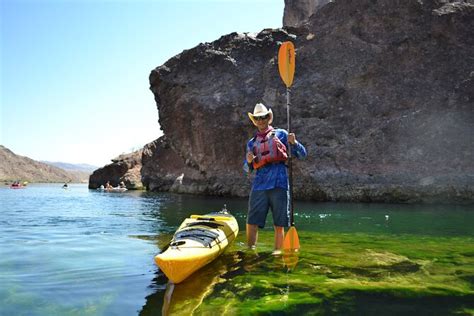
<point>290,258</point>
<point>286,62</point>
<point>291,241</point>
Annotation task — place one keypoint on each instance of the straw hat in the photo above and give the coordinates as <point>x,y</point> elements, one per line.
<point>258,111</point>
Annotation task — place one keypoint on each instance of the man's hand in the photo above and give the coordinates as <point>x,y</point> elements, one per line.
<point>250,157</point>
<point>292,138</point>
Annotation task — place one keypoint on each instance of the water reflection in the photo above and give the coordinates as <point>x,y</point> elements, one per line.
<point>172,209</point>
<point>184,298</point>
<point>188,296</point>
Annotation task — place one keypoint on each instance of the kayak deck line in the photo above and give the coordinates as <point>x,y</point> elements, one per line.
<point>217,240</point>
<point>209,224</point>
<point>211,218</point>
<point>204,236</point>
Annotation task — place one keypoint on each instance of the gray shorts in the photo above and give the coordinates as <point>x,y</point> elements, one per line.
<point>274,199</point>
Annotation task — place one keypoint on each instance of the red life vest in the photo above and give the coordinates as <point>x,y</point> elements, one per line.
<point>268,149</point>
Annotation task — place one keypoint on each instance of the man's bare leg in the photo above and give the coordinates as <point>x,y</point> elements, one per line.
<point>252,235</point>
<point>279,236</point>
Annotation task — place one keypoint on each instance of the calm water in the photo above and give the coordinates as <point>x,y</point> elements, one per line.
<point>82,252</point>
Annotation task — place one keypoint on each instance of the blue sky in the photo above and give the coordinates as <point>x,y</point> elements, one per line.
<point>74,73</point>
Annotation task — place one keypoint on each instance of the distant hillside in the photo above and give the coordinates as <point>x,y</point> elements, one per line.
<point>15,167</point>
<point>82,167</point>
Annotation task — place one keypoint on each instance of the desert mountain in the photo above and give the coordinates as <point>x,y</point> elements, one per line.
<point>15,167</point>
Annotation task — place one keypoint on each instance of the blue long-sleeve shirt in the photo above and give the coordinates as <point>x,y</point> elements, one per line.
<point>273,175</point>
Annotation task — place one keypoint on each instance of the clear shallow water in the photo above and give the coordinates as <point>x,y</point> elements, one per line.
<point>82,252</point>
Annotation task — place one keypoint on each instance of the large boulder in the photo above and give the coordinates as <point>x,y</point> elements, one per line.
<point>382,99</point>
<point>126,168</point>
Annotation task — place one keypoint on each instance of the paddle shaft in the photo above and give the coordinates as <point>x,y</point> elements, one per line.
<point>286,67</point>
<point>290,161</point>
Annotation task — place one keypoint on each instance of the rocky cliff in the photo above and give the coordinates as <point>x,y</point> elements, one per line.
<point>298,12</point>
<point>382,100</point>
<point>124,168</point>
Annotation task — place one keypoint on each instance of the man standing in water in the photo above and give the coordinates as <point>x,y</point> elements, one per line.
<point>267,154</point>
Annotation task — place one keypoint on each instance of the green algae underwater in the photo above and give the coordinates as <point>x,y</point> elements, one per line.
<point>83,252</point>
<point>335,274</point>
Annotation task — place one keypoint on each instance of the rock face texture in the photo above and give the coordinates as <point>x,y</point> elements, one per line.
<point>298,12</point>
<point>165,170</point>
<point>382,99</point>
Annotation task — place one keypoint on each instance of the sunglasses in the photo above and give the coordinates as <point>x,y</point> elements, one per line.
<point>261,118</point>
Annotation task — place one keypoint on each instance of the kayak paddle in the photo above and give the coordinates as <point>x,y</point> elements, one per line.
<point>286,67</point>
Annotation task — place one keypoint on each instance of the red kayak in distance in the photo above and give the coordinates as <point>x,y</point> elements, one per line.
<point>17,185</point>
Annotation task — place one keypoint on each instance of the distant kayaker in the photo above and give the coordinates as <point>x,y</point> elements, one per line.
<point>108,186</point>
<point>266,153</point>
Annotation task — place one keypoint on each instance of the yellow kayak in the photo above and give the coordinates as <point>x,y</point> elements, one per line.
<point>198,240</point>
